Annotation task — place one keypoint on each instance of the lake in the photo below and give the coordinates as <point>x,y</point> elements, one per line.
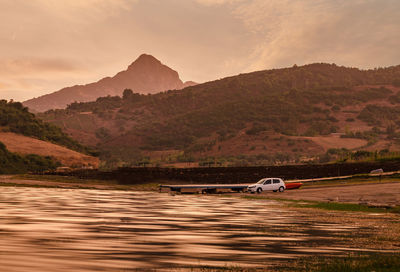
<point>94,230</point>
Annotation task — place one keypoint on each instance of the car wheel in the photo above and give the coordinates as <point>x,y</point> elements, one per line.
<point>259,190</point>
<point>281,189</point>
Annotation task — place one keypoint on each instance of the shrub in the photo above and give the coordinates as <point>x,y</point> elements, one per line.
<point>11,163</point>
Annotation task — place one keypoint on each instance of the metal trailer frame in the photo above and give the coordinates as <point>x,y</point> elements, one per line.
<point>207,188</point>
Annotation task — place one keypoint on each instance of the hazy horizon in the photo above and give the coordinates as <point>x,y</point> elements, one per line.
<point>48,45</point>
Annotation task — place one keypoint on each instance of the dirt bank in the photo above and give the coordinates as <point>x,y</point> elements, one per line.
<point>379,193</point>
<point>70,183</point>
<point>385,193</point>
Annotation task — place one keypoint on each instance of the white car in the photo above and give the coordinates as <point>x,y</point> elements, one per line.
<point>267,184</point>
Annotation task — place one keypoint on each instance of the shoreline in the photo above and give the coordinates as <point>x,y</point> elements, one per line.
<point>61,182</point>
<point>367,194</point>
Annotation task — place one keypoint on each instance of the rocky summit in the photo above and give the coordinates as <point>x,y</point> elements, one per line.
<point>145,75</point>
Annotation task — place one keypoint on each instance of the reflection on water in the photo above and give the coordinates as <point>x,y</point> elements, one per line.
<point>91,230</point>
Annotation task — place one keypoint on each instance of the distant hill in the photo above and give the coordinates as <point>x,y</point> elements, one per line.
<point>21,132</point>
<point>145,75</point>
<point>273,116</point>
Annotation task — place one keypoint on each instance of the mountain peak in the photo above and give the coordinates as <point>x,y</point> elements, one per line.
<point>145,60</point>
<point>145,75</point>
<point>146,57</point>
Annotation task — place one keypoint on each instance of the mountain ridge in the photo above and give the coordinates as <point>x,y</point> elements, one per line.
<point>145,75</point>
<point>274,114</point>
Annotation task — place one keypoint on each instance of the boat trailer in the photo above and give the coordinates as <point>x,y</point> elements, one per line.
<point>206,188</point>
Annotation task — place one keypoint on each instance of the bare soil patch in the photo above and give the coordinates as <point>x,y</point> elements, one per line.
<point>337,142</point>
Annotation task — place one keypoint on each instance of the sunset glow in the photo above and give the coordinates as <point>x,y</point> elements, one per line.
<point>48,44</point>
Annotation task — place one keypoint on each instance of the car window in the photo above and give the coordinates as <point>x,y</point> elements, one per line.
<point>277,181</point>
<point>261,181</point>
<point>268,181</point>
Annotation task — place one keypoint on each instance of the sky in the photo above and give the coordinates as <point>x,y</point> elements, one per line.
<point>46,45</point>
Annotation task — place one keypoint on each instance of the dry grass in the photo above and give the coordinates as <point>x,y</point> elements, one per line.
<point>26,145</point>
<point>327,142</point>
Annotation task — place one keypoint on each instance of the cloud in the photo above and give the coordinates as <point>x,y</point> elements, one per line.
<point>91,9</point>
<point>23,78</point>
<point>16,89</point>
<point>3,85</point>
<point>16,95</point>
<point>217,2</point>
<point>36,66</point>
<point>354,33</point>
<point>49,44</point>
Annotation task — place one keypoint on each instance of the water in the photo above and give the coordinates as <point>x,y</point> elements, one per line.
<point>92,230</point>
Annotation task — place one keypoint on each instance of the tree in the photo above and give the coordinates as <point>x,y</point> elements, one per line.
<point>127,94</point>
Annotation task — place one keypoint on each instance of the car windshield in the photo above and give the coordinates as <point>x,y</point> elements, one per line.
<point>261,181</point>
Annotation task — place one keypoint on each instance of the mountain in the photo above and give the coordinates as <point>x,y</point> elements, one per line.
<point>272,116</point>
<point>145,75</point>
<point>22,133</point>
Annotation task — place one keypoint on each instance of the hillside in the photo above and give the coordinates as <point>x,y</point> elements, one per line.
<point>272,116</point>
<point>14,117</point>
<point>24,145</point>
<point>11,163</point>
<point>21,132</point>
<point>144,75</point>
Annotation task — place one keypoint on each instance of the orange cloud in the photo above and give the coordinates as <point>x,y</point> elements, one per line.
<point>35,66</point>
<point>3,85</point>
<point>49,44</point>
<point>364,34</point>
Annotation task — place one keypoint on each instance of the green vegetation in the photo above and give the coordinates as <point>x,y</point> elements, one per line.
<point>356,263</point>
<point>395,99</point>
<point>134,159</point>
<point>102,133</point>
<point>256,129</point>
<point>11,163</point>
<point>378,262</point>
<point>294,101</point>
<point>335,206</point>
<point>371,136</point>
<point>375,115</point>
<point>332,206</point>
<point>16,118</point>
<point>345,155</point>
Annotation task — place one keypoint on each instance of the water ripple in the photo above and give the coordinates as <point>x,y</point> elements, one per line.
<point>89,230</point>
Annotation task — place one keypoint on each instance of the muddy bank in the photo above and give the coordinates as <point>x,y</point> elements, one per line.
<point>384,193</point>
<point>70,183</point>
<point>380,194</point>
<point>138,175</point>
